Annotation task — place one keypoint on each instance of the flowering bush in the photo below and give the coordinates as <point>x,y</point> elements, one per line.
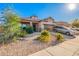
<point>45,36</point>
<point>60,37</point>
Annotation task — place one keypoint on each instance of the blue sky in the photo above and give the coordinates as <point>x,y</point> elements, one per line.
<point>58,11</point>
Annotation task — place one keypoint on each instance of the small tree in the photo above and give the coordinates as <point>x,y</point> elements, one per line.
<point>11,25</point>
<point>75,23</point>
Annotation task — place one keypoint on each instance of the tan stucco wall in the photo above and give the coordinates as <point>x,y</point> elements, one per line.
<point>42,25</point>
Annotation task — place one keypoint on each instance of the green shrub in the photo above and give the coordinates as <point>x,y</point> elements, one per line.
<point>28,29</point>
<point>45,36</point>
<point>60,37</point>
<point>5,38</point>
<point>22,33</point>
<point>1,38</point>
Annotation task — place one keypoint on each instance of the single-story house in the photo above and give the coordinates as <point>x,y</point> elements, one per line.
<point>37,24</point>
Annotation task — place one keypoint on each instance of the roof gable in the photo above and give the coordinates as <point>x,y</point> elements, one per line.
<point>49,19</point>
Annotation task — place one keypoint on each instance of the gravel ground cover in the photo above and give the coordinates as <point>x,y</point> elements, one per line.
<point>24,47</point>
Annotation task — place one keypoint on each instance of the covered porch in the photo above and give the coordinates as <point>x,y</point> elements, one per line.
<point>34,24</point>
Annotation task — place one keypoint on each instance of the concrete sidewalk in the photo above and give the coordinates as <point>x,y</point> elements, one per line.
<point>67,48</point>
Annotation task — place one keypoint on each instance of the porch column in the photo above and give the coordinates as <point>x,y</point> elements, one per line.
<point>31,24</point>
<point>42,26</point>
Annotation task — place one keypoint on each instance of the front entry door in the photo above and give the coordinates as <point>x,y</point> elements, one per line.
<point>34,27</point>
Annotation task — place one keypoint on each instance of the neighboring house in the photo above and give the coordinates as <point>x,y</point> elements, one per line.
<point>37,24</point>
<point>66,24</point>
